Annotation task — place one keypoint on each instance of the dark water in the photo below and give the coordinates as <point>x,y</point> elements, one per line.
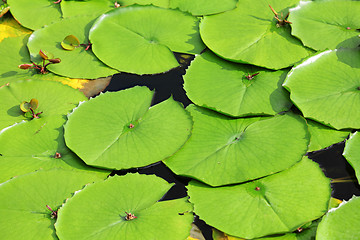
<point>330,160</point>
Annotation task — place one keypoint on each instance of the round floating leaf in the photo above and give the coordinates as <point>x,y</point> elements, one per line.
<point>326,88</point>
<point>140,39</point>
<point>328,24</point>
<point>23,201</point>
<point>38,144</point>
<point>70,42</point>
<point>223,150</point>
<point>82,217</point>
<point>34,14</point>
<point>342,222</point>
<point>11,28</point>
<point>230,88</point>
<point>275,204</point>
<point>203,7</point>
<point>128,133</point>
<point>55,99</point>
<point>323,136</point>
<point>249,34</point>
<point>79,63</point>
<point>352,153</point>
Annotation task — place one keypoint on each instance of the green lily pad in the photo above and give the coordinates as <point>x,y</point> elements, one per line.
<point>352,153</point>
<point>24,200</point>
<point>38,144</point>
<point>128,133</point>
<point>98,7</point>
<point>230,88</point>
<point>342,222</point>
<point>203,7</point>
<point>142,39</point>
<point>274,204</point>
<point>326,88</point>
<point>55,99</point>
<point>327,25</point>
<point>35,14</point>
<point>249,34</point>
<point>223,150</point>
<point>323,136</point>
<point>79,63</point>
<point>129,208</point>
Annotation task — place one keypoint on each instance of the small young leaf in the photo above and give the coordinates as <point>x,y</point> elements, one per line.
<point>25,106</point>
<point>55,60</point>
<point>34,103</point>
<point>25,66</point>
<point>70,42</point>
<point>43,55</point>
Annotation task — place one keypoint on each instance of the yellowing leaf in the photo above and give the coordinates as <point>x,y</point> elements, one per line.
<point>9,27</point>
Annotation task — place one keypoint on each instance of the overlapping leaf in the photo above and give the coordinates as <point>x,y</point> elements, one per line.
<point>142,39</point>
<point>203,7</point>
<point>79,63</point>
<point>342,222</point>
<point>35,14</point>
<point>274,204</point>
<point>14,52</point>
<point>10,28</point>
<point>326,88</point>
<point>232,89</point>
<point>249,34</point>
<point>327,25</point>
<point>24,200</point>
<point>128,133</point>
<point>98,7</point>
<point>352,153</point>
<point>121,196</point>
<point>323,136</point>
<point>223,151</point>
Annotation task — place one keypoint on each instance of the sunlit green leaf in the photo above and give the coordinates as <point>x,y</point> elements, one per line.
<point>119,196</point>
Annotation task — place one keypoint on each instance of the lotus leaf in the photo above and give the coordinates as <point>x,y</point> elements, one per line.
<point>70,43</point>
<point>129,208</point>
<point>223,150</point>
<point>230,88</point>
<point>128,133</point>
<point>352,153</point>
<point>249,34</point>
<point>38,144</point>
<point>55,99</point>
<point>327,25</point>
<point>24,200</point>
<point>98,7</point>
<point>323,136</point>
<point>203,7</point>
<point>274,204</point>
<point>10,28</point>
<point>326,88</point>
<point>342,222</point>
<point>79,63</point>
<point>140,39</point>
<point>34,14</point>
<point>14,52</point>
